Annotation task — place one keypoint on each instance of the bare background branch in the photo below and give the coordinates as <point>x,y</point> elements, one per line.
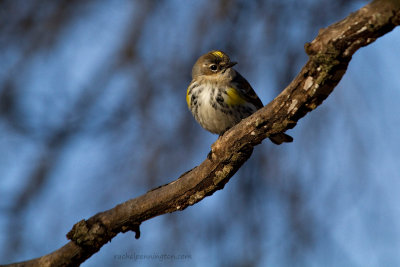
<point>92,89</point>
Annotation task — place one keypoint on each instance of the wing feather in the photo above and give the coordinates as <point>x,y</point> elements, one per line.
<point>246,90</point>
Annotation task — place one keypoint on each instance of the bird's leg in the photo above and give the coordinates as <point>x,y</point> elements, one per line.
<point>209,156</point>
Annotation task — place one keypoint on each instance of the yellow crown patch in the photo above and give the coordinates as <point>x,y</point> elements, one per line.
<point>218,54</point>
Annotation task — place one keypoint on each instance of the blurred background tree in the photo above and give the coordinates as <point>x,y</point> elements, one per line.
<point>93,112</point>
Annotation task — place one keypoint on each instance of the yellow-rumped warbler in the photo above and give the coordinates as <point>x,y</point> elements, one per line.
<point>219,97</point>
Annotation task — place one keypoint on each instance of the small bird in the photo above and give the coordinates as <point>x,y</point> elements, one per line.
<point>219,97</point>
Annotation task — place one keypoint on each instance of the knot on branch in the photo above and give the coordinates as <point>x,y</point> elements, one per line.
<point>90,234</point>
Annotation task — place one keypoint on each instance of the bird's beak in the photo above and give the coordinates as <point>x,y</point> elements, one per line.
<point>231,64</point>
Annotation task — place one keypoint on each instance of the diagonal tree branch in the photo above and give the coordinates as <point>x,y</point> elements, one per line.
<point>329,55</point>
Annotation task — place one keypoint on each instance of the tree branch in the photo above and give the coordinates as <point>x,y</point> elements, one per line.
<point>329,55</point>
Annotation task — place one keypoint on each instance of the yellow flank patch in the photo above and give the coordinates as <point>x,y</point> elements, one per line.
<point>188,98</point>
<point>218,54</point>
<point>234,97</point>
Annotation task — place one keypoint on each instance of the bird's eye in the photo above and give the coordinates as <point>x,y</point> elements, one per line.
<point>213,67</point>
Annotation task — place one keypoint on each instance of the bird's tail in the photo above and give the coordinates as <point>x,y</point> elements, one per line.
<point>280,138</point>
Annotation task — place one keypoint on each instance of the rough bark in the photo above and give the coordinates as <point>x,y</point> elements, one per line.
<point>329,55</point>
